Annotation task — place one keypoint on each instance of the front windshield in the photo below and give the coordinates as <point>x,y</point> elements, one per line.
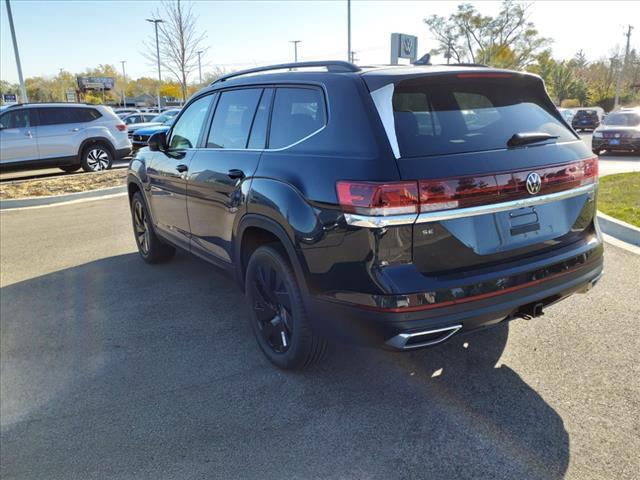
<point>161,118</point>
<point>623,119</point>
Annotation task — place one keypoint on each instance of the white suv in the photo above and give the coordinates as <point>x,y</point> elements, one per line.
<point>65,135</point>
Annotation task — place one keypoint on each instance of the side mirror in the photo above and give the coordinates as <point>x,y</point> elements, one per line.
<point>158,142</point>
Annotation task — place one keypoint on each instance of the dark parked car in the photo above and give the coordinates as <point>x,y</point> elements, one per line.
<point>141,136</point>
<point>363,204</point>
<point>585,120</point>
<point>619,131</point>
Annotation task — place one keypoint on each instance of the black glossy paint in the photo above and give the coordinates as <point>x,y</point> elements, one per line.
<point>290,193</point>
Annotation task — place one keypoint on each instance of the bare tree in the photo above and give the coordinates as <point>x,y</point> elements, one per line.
<point>179,42</point>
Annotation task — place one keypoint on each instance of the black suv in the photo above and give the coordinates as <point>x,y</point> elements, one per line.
<point>391,206</point>
<point>585,120</point>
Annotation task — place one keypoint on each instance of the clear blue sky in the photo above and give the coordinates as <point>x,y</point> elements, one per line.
<point>75,35</point>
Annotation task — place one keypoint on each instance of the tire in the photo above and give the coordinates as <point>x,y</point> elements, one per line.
<point>278,316</point>
<point>96,157</point>
<point>70,168</point>
<point>150,247</point>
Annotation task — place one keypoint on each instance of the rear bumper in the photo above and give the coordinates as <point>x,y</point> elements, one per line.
<point>123,152</point>
<point>339,316</point>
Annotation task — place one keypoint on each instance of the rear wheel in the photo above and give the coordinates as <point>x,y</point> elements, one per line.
<point>278,316</point>
<point>96,157</point>
<point>150,247</point>
<point>70,168</point>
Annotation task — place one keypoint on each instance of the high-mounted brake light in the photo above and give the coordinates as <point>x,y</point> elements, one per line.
<point>121,127</point>
<point>371,198</point>
<point>484,75</point>
<point>407,197</point>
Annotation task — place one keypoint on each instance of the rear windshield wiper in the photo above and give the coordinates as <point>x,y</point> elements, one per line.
<point>529,137</point>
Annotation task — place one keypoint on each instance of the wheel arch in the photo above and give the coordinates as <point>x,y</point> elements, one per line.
<point>92,141</point>
<point>256,230</point>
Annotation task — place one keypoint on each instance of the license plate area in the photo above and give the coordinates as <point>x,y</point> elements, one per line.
<point>614,141</point>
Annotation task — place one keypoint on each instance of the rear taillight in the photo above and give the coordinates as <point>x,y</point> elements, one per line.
<point>121,127</point>
<point>371,198</point>
<point>378,198</point>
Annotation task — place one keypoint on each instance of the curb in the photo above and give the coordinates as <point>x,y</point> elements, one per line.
<point>619,229</point>
<point>61,199</point>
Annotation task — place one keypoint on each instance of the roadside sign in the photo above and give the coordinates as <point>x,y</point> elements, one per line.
<point>71,96</point>
<point>9,98</point>
<point>96,83</point>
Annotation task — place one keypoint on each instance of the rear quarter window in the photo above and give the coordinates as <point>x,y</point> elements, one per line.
<point>297,113</point>
<point>440,117</point>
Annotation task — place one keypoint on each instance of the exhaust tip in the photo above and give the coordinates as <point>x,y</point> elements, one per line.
<point>423,338</point>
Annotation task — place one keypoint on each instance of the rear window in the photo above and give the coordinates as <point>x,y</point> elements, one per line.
<point>462,115</point>
<point>623,119</point>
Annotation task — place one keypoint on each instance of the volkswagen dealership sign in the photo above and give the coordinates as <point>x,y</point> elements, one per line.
<point>403,46</point>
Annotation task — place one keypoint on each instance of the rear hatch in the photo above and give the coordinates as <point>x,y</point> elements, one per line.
<point>488,139</point>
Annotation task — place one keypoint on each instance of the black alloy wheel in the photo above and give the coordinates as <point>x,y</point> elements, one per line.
<point>272,307</point>
<point>150,247</point>
<point>278,315</point>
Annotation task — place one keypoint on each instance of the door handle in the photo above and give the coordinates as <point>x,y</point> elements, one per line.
<point>74,130</point>
<point>234,174</point>
<point>28,134</point>
<point>182,168</point>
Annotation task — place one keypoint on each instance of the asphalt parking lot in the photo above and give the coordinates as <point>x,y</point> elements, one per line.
<point>111,368</point>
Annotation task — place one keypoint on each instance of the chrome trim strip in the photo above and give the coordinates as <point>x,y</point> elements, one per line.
<point>373,221</point>
<point>379,221</point>
<point>400,340</point>
<point>439,216</point>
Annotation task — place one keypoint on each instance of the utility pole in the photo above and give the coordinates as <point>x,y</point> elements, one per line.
<point>621,69</point>
<point>295,49</point>
<point>155,22</point>
<point>199,67</point>
<point>348,30</point>
<point>60,70</point>
<point>23,87</point>
<point>353,58</point>
<point>124,87</point>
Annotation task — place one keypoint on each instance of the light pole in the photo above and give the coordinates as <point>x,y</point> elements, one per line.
<point>23,88</point>
<point>199,67</point>
<point>349,30</point>
<point>155,22</point>
<point>124,87</point>
<point>60,70</point>
<point>295,49</point>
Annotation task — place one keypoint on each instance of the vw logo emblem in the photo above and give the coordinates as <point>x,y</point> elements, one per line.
<point>534,182</point>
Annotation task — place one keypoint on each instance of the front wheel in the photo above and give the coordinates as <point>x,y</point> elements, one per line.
<point>96,157</point>
<point>278,315</point>
<point>150,247</point>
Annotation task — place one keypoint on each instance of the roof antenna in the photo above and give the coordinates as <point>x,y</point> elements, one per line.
<point>423,60</point>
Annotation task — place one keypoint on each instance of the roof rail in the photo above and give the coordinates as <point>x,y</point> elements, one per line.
<point>332,66</point>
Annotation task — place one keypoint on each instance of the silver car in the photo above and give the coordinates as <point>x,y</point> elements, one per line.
<point>65,135</point>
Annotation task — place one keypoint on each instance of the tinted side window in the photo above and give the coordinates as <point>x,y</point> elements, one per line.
<point>187,128</point>
<point>233,118</point>
<point>17,119</point>
<point>60,115</point>
<point>297,113</point>
<point>258,137</point>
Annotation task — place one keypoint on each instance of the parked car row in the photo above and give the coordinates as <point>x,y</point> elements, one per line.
<point>71,135</point>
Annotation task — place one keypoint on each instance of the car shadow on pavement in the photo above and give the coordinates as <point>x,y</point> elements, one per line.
<point>118,369</point>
